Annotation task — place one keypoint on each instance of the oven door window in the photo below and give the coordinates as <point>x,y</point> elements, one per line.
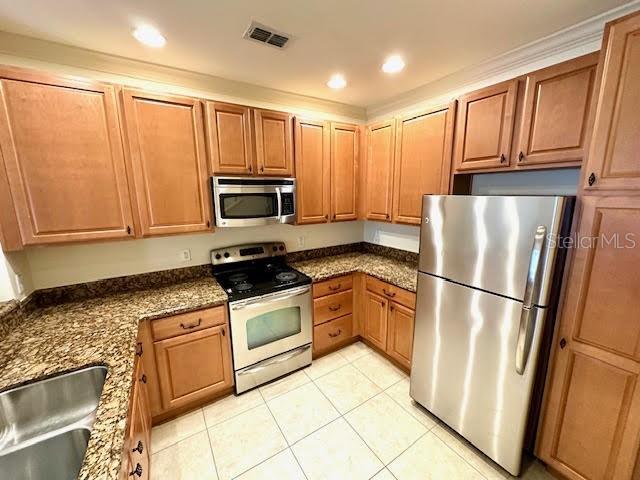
<point>273,326</point>
<point>248,205</point>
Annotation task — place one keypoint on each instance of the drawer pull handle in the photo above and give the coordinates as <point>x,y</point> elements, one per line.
<point>137,472</point>
<point>192,325</point>
<point>337,287</point>
<point>337,334</point>
<point>335,308</point>
<point>388,294</point>
<point>138,448</point>
<point>139,349</point>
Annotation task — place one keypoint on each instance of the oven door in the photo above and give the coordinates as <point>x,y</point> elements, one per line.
<point>266,326</point>
<point>251,203</point>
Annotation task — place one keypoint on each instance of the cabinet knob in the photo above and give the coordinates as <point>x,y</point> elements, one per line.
<point>326,217</point>
<point>139,448</point>
<point>137,472</point>
<point>391,307</point>
<point>387,216</point>
<point>521,156</point>
<point>139,349</point>
<point>128,230</point>
<point>502,158</point>
<point>262,169</point>
<point>592,179</point>
<point>208,223</point>
<point>250,169</point>
<point>223,332</point>
<point>143,378</point>
<point>563,343</point>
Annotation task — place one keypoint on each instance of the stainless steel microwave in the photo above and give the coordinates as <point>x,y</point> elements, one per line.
<point>250,201</point>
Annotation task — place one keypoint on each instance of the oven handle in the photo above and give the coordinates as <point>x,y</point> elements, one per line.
<point>279,197</point>
<point>270,298</point>
<point>274,361</point>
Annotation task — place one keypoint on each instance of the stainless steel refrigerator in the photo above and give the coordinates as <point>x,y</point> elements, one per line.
<point>488,279</point>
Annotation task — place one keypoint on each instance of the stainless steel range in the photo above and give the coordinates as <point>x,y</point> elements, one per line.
<point>269,310</point>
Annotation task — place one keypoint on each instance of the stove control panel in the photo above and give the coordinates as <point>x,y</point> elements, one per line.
<point>251,251</point>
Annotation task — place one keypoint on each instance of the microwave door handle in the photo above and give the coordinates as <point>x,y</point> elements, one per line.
<point>279,197</point>
<point>264,300</point>
<point>528,313</point>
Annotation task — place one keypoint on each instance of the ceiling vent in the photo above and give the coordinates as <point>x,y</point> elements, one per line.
<point>267,35</point>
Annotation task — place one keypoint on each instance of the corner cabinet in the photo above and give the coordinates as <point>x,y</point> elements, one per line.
<point>64,173</point>
<point>229,138</point>
<point>166,147</point>
<point>614,161</point>
<point>273,143</point>
<point>381,139</point>
<point>312,145</point>
<point>484,127</point>
<point>422,161</point>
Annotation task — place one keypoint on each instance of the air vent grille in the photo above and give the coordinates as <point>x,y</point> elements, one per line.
<point>267,35</point>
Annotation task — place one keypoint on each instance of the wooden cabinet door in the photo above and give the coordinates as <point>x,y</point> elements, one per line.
<point>422,161</point>
<point>312,171</point>
<point>484,127</point>
<point>379,170</point>
<point>556,112</point>
<point>138,445</point>
<point>274,143</point>
<point>229,138</point>
<point>63,158</point>
<point>591,425</point>
<point>167,153</point>
<point>375,320</point>
<point>614,162</point>
<point>400,333</point>
<point>344,172</point>
<point>193,366</point>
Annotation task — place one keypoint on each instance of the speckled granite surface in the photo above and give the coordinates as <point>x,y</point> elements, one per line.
<point>99,331</point>
<point>391,270</point>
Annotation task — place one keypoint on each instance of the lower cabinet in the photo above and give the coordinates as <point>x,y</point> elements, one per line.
<point>389,314</point>
<point>188,360</point>
<point>136,455</point>
<point>333,323</point>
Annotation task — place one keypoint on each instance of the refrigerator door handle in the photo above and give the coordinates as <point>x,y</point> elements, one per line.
<point>527,316</point>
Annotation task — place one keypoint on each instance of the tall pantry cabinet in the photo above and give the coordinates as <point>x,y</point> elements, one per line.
<point>590,427</point>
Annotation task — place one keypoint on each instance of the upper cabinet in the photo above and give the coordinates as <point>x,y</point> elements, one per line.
<point>381,139</point>
<point>229,138</point>
<point>326,171</point>
<point>63,160</point>
<point>344,171</point>
<point>312,171</point>
<point>165,136</point>
<point>273,142</point>
<point>614,162</point>
<point>422,161</point>
<point>556,113</point>
<point>485,127</point>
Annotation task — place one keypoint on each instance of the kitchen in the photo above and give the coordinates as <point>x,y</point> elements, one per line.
<point>219,266</point>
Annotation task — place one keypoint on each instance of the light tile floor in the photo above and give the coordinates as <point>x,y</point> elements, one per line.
<point>347,416</point>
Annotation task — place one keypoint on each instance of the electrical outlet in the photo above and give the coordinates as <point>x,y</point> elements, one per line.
<point>301,240</point>
<point>185,255</point>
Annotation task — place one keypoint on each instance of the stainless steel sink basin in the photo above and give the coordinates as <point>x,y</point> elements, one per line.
<point>45,426</point>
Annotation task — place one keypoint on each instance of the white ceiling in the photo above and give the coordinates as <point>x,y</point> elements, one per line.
<point>436,38</point>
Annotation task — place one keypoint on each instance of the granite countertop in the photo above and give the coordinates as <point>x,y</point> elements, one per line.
<point>393,271</point>
<point>100,331</point>
<point>103,331</point>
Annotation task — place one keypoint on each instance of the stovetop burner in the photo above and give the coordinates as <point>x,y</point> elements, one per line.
<point>239,277</point>
<point>286,276</point>
<point>243,287</point>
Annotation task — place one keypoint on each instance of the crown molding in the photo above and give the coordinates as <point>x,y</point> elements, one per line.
<point>571,42</point>
<point>20,47</point>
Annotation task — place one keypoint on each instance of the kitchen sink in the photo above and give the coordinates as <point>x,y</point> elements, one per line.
<point>45,426</point>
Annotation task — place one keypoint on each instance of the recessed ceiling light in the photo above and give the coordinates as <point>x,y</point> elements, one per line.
<point>393,64</point>
<point>337,81</point>
<point>149,36</point>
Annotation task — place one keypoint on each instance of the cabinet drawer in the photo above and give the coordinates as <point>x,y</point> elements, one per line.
<point>335,285</point>
<point>187,322</point>
<point>398,295</point>
<point>332,333</point>
<point>332,306</point>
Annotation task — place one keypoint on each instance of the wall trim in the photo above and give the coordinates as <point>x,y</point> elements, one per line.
<point>579,39</point>
<point>21,47</point>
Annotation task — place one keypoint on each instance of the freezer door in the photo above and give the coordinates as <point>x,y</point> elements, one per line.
<point>464,365</point>
<point>486,242</point>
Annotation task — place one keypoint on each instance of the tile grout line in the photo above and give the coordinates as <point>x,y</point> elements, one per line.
<point>213,455</point>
